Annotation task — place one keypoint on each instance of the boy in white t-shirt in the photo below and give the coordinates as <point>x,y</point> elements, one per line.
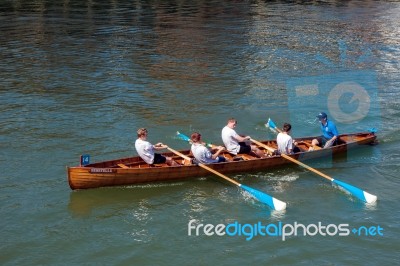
<point>286,145</point>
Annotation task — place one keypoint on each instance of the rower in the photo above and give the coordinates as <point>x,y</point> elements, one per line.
<point>286,144</point>
<point>235,143</point>
<point>146,150</point>
<point>330,134</point>
<point>202,154</point>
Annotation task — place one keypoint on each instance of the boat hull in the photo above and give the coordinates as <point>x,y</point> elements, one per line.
<point>109,173</point>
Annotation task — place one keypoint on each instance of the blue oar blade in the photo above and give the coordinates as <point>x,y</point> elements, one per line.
<point>182,136</point>
<point>359,193</point>
<point>265,198</point>
<point>271,125</point>
<point>373,130</point>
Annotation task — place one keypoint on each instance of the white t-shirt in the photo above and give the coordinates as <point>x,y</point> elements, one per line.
<point>285,143</point>
<point>145,150</point>
<point>229,138</point>
<point>202,154</point>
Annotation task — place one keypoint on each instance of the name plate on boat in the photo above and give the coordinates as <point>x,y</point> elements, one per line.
<point>102,170</point>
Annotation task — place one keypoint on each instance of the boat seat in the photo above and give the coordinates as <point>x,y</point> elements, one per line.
<point>122,165</point>
<point>186,162</point>
<point>156,165</point>
<point>246,157</point>
<point>227,156</point>
<point>313,147</point>
<point>308,145</point>
<point>237,158</point>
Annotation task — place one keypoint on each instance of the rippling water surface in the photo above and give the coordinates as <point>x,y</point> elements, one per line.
<point>81,76</point>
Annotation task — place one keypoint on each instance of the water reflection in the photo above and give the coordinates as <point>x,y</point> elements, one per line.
<point>83,202</point>
<point>81,76</point>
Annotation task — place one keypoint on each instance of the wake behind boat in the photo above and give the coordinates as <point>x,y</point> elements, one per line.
<point>133,170</point>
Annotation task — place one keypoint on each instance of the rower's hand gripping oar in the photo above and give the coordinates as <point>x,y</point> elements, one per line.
<point>361,194</point>
<point>272,202</point>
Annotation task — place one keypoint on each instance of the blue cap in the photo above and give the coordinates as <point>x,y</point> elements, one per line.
<point>322,115</point>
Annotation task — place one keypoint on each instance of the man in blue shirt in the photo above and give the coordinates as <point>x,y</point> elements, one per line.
<point>329,132</point>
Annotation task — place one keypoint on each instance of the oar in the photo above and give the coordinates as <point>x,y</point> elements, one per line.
<point>262,197</point>
<point>182,136</point>
<point>271,125</point>
<point>361,194</point>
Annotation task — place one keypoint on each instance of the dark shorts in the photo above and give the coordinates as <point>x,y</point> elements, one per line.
<point>244,148</point>
<point>322,141</point>
<point>221,159</point>
<point>158,158</point>
<point>296,149</point>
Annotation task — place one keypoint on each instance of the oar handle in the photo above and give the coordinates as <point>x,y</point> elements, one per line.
<point>277,129</point>
<point>293,160</point>
<point>307,167</point>
<point>262,145</point>
<point>205,167</point>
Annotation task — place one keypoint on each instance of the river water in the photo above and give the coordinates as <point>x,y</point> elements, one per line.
<point>79,77</point>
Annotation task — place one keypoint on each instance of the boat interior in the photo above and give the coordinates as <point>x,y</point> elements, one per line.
<point>304,145</point>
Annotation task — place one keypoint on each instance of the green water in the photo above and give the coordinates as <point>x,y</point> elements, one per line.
<point>79,77</point>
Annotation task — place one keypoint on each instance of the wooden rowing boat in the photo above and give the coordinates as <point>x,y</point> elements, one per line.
<point>134,170</point>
